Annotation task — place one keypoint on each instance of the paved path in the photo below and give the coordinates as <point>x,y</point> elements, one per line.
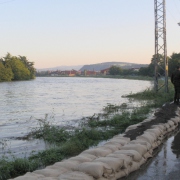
<point>165,165</point>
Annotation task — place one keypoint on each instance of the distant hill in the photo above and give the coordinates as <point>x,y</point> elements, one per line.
<point>62,68</point>
<point>101,66</point>
<point>96,67</point>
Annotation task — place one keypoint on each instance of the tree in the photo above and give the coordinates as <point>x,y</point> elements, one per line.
<point>18,68</point>
<point>6,74</point>
<point>149,71</point>
<point>143,71</point>
<point>174,61</point>
<point>29,66</point>
<point>115,70</point>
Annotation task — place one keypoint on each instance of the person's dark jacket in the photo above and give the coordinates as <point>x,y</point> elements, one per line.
<point>175,78</point>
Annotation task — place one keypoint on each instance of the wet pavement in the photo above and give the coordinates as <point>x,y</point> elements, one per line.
<point>165,165</point>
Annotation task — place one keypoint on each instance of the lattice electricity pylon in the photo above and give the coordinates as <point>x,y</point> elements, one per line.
<point>160,60</point>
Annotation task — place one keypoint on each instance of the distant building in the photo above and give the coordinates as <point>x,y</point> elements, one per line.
<point>54,73</point>
<point>70,72</point>
<point>89,73</point>
<point>105,71</point>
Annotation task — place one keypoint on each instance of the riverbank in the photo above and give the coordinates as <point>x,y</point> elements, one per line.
<point>131,77</point>
<point>92,131</point>
<point>119,156</point>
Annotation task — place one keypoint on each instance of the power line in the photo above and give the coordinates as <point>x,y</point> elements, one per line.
<point>176,7</point>
<point>171,15</point>
<point>7,1</point>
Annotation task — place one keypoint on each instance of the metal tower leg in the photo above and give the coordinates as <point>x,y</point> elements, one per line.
<point>160,60</point>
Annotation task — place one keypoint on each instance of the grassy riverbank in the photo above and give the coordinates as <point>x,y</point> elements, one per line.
<point>135,77</point>
<point>92,130</point>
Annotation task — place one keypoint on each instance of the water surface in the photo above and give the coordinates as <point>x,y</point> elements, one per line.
<point>64,100</point>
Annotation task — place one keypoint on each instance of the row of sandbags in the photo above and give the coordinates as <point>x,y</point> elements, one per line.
<point>115,159</point>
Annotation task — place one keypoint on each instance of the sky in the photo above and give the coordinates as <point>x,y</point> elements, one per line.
<point>77,32</point>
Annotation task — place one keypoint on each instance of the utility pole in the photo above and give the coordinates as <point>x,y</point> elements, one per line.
<point>161,66</point>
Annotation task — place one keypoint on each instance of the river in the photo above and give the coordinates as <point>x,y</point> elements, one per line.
<point>62,100</point>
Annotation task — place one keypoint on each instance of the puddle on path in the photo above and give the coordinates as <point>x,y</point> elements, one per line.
<point>165,165</point>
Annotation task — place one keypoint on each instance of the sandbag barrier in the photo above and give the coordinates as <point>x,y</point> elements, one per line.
<point>115,159</point>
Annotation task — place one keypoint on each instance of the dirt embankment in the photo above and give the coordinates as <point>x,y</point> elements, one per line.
<point>164,114</point>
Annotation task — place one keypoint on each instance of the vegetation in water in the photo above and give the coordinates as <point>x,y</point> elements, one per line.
<point>92,130</point>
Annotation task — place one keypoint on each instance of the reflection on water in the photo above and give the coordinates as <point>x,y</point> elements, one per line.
<point>64,100</point>
<point>176,145</point>
<point>163,166</point>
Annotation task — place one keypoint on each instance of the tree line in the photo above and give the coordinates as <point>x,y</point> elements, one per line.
<point>173,61</point>
<point>13,68</point>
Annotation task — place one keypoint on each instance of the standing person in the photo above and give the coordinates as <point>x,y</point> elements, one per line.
<point>175,79</point>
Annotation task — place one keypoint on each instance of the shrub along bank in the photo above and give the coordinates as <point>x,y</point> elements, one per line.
<point>14,68</point>
<point>91,131</point>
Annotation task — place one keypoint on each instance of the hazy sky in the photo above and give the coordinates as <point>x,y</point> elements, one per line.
<point>77,32</point>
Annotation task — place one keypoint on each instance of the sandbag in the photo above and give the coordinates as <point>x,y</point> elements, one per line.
<point>156,131</point>
<point>152,134</point>
<point>90,156</point>
<point>147,155</point>
<point>111,147</point>
<point>135,166</point>
<point>158,142</point>
<point>35,178</point>
<point>134,126</point>
<point>154,145</point>
<point>167,126</point>
<point>178,111</point>
<point>161,137</point>
<point>33,174</point>
<point>26,178</point>
<point>98,152</point>
<point>171,123</point>
<point>142,142</point>
<point>160,126</point>
<point>96,169</point>
<point>173,127</point>
<point>120,174</point>
<point>147,137</point>
<point>163,128</point>
<point>114,144</point>
<point>48,178</point>
<point>122,137</point>
<point>60,169</point>
<point>80,159</point>
<point>115,163</point>
<point>132,153</point>
<point>75,176</point>
<point>143,160</point>
<point>176,120</point>
<point>29,176</point>
<point>119,140</point>
<point>69,165</point>
<point>127,159</point>
<point>48,172</point>
<point>141,149</point>
<point>103,178</point>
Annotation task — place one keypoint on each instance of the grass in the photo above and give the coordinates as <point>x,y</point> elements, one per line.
<point>92,131</point>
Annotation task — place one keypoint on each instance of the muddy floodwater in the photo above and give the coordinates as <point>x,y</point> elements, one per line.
<point>63,101</point>
<point>165,165</point>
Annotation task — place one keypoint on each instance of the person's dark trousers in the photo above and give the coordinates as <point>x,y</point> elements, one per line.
<point>176,94</point>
